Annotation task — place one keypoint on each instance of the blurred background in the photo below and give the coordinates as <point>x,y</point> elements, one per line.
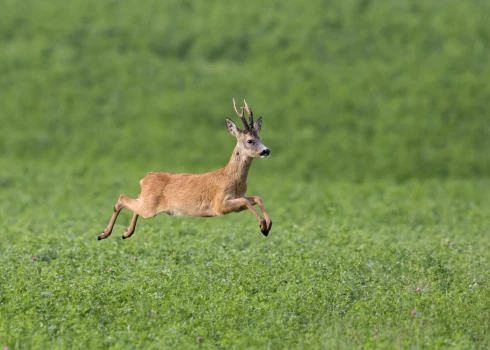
<point>349,91</point>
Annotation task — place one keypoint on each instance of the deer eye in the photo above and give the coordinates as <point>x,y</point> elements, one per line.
<point>250,142</point>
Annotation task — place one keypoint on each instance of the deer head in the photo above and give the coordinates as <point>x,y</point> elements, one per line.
<point>248,140</point>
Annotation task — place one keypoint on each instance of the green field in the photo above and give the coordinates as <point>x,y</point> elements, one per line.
<point>378,183</point>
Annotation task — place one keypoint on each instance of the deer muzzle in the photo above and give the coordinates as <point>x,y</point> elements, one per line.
<point>265,153</point>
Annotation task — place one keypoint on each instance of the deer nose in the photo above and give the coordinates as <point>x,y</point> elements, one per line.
<point>265,153</point>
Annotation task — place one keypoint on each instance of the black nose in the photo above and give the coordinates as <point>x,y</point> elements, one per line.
<point>265,152</point>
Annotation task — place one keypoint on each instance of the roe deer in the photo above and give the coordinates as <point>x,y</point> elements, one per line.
<point>215,193</point>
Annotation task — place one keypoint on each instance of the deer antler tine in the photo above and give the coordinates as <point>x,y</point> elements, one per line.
<point>234,106</point>
<point>242,118</point>
<point>250,114</point>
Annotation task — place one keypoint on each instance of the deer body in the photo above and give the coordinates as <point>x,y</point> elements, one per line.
<point>215,193</point>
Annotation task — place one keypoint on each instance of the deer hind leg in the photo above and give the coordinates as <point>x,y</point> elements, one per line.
<point>108,230</point>
<point>135,205</point>
<point>129,232</point>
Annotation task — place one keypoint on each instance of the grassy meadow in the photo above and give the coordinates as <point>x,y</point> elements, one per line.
<point>376,114</point>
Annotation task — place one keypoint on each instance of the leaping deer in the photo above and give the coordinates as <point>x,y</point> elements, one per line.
<point>215,193</point>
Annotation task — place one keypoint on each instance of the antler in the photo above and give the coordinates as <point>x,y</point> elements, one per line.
<point>241,115</point>
<point>250,125</point>
<point>250,114</point>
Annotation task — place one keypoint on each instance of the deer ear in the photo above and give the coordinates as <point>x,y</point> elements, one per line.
<point>258,125</point>
<point>232,128</point>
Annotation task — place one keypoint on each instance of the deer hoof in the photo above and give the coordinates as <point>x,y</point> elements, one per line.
<point>123,237</point>
<point>265,232</point>
<point>98,238</point>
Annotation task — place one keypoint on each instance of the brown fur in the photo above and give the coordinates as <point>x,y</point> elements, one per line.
<point>215,193</point>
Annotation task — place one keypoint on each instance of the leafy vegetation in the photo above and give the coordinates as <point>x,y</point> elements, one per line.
<point>376,117</point>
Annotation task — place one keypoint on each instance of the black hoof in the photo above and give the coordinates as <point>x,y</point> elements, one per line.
<point>98,238</point>
<point>123,237</point>
<point>265,233</point>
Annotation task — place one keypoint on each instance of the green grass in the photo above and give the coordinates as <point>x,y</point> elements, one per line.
<point>339,269</point>
<point>378,181</point>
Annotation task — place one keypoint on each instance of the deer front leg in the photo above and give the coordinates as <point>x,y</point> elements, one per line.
<point>258,201</point>
<point>243,203</point>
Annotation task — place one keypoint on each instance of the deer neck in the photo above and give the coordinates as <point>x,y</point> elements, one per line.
<point>238,166</point>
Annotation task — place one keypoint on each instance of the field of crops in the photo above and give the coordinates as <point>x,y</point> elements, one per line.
<point>376,115</point>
